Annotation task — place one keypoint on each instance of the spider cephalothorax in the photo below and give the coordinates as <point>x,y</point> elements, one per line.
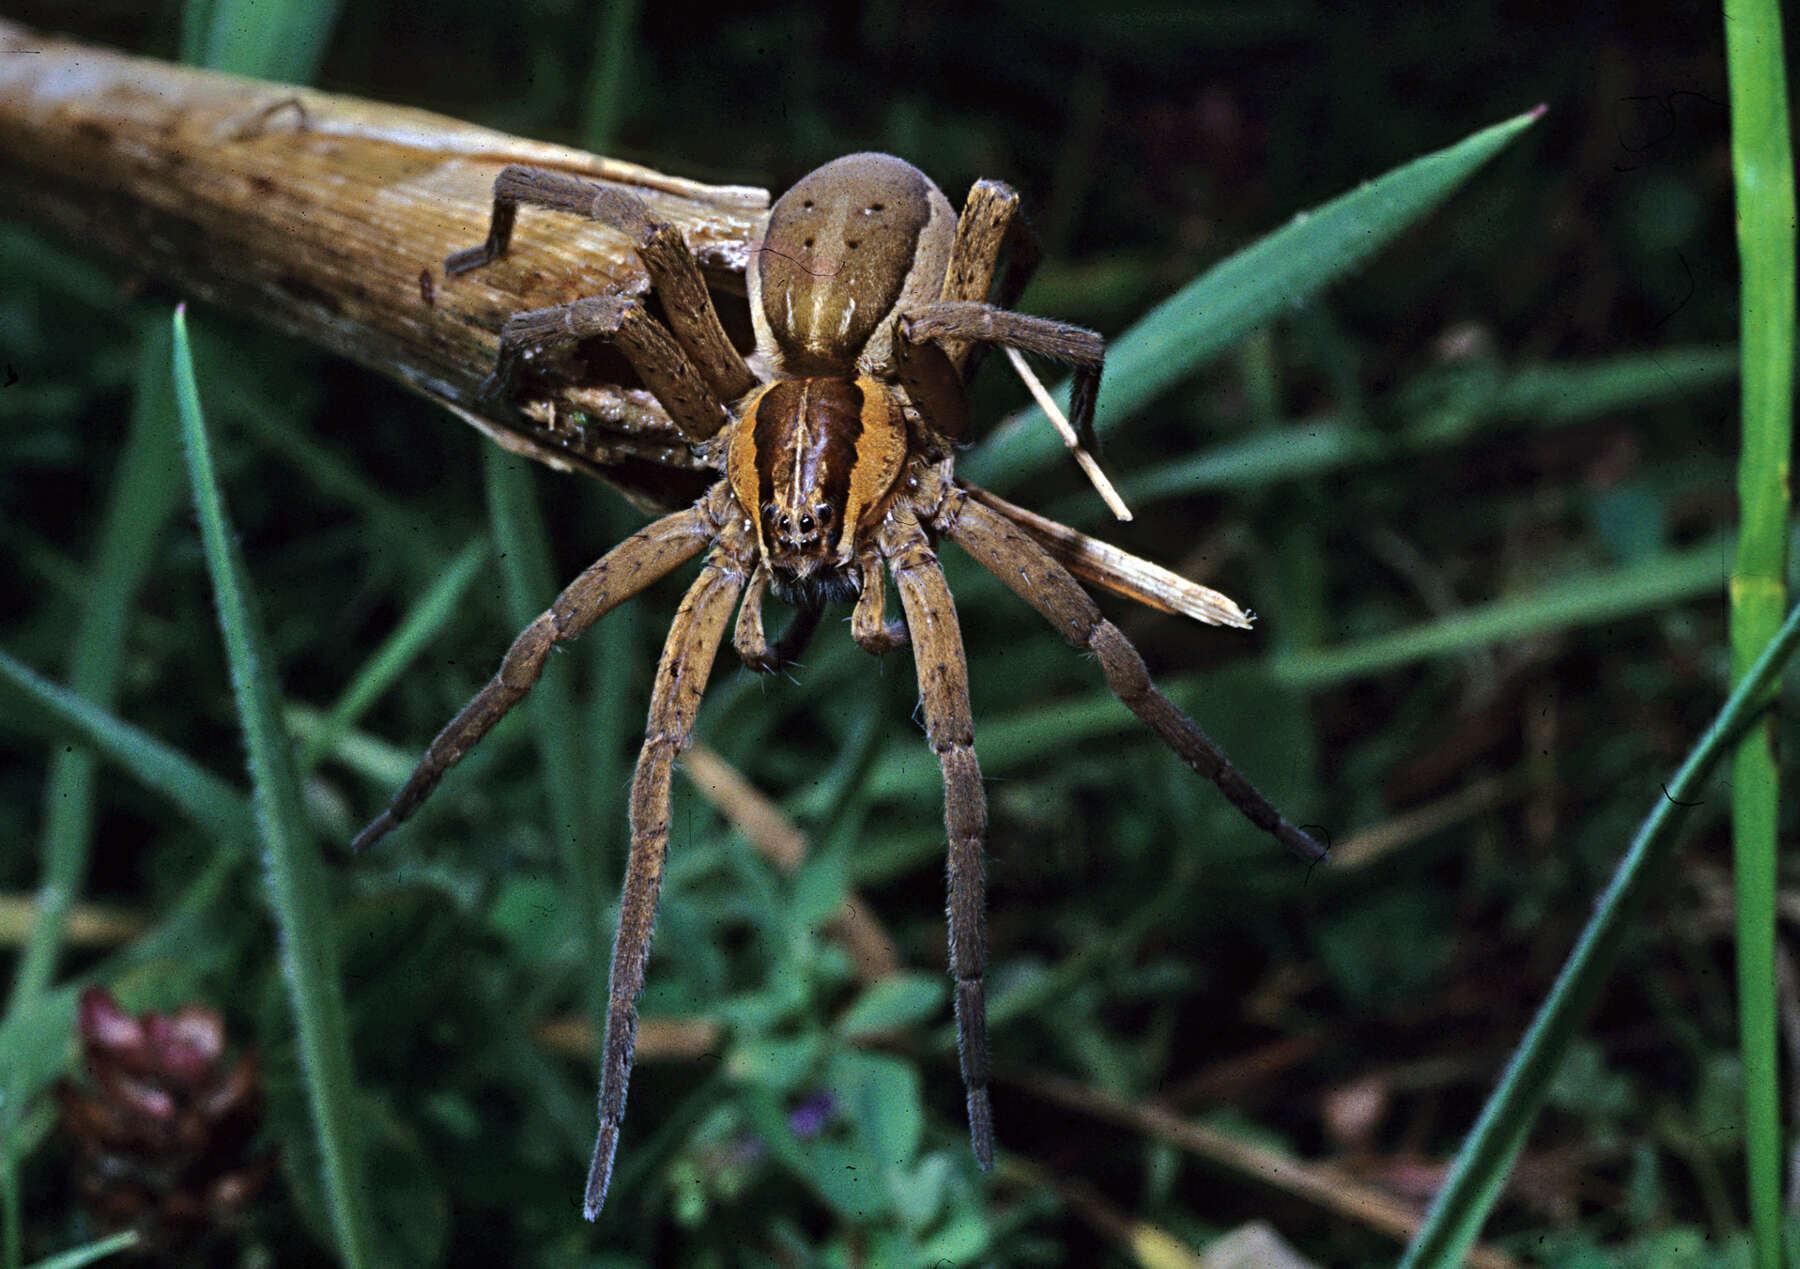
<point>815,462</point>
<point>867,295</point>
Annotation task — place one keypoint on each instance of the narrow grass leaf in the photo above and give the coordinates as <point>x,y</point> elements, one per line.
<point>12,1208</point>
<point>295,873</point>
<point>396,653</point>
<point>523,545</point>
<point>617,662</point>
<point>607,97</point>
<point>89,1253</point>
<point>282,40</point>
<point>1236,296</point>
<point>145,492</point>
<point>1482,1165</point>
<point>196,792</point>
<point>1762,161</point>
<point>1541,397</point>
<point>1574,600</point>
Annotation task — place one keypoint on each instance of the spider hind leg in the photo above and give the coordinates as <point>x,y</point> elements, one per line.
<point>1007,552</point>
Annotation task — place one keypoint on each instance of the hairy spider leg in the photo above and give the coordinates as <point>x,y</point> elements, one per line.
<point>659,361</point>
<point>1007,552</point>
<point>647,555</point>
<point>943,673</point>
<point>687,658</point>
<point>1074,346</point>
<point>674,273</point>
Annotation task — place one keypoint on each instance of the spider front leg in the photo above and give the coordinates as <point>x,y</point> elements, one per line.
<point>1008,553</point>
<point>944,692</point>
<point>635,563</point>
<point>667,259</point>
<point>681,675</point>
<point>968,320</point>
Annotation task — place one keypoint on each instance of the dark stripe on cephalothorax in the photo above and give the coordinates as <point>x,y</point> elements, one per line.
<point>833,430</point>
<point>809,429</point>
<point>775,411</point>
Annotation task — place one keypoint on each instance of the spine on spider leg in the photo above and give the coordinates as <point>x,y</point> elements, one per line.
<point>1029,571</point>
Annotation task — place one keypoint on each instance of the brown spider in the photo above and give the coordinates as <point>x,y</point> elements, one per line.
<point>868,296</point>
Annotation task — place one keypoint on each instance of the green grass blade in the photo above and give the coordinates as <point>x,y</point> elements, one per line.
<point>1578,599</point>
<point>1540,397</point>
<point>1493,1146</point>
<point>1242,293</point>
<point>295,873</point>
<point>199,794</point>
<point>524,548</point>
<point>1763,167</point>
<point>12,1214</point>
<point>282,40</point>
<point>76,1257</point>
<point>145,492</point>
<point>435,609</point>
<point>614,719</point>
<point>608,97</point>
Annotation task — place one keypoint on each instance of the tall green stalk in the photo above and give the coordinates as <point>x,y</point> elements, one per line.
<point>1487,1156</point>
<point>295,872</point>
<point>146,490</point>
<point>1762,165</point>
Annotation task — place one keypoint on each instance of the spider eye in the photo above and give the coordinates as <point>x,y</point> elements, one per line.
<point>806,524</point>
<point>823,512</point>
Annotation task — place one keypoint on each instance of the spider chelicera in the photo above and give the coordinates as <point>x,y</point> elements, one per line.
<point>868,296</point>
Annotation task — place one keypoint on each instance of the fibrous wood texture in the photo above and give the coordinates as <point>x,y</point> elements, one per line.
<point>331,216</point>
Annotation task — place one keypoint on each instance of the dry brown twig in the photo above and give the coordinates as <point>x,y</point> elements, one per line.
<point>1316,1183</point>
<point>330,217</point>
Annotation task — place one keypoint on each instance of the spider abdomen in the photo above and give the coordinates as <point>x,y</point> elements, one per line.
<point>849,247</point>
